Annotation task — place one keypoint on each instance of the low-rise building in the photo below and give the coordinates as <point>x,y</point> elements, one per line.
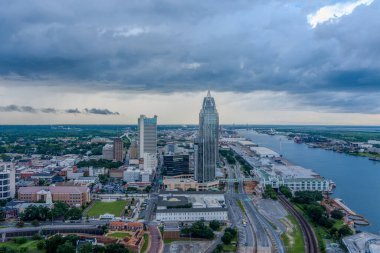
<point>72,195</point>
<point>192,214</point>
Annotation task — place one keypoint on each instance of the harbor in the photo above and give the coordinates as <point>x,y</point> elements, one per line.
<point>355,177</point>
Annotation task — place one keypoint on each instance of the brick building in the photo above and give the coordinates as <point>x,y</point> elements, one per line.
<point>72,195</point>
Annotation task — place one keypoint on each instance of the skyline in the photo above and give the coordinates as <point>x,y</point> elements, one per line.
<point>274,62</point>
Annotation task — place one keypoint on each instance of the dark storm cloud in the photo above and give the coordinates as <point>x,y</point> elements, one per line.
<point>16,108</point>
<point>100,111</point>
<point>168,46</point>
<point>72,110</point>
<point>48,110</point>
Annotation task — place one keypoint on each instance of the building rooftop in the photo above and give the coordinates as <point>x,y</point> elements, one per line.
<point>192,210</point>
<point>53,189</point>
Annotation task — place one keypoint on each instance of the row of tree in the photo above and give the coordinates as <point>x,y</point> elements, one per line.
<point>60,210</point>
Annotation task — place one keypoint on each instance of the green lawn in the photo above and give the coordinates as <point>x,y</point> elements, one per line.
<point>168,241</point>
<point>31,246</point>
<point>146,243</point>
<point>115,207</point>
<point>294,241</point>
<point>119,235</point>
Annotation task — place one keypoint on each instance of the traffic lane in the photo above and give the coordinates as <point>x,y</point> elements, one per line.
<point>155,239</point>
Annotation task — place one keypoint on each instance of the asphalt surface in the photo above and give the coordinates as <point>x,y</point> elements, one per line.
<point>265,234</point>
<point>155,239</point>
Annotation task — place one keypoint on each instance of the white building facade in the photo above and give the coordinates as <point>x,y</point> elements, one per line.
<point>192,214</point>
<point>7,181</point>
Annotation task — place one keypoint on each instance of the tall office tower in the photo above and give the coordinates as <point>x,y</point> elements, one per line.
<point>176,164</point>
<point>118,150</point>
<point>107,152</point>
<point>147,135</point>
<point>207,141</point>
<point>133,151</point>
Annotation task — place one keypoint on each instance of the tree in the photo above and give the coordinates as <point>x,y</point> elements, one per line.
<point>52,243</point>
<point>103,179</point>
<point>270,193</point>
<point>286,191</point>
<point>35,223</point>
<point>199,230</point>
<point>307,197</point>
<point>345,230</point>
<point>218,249</point>
<point>315,212</point>
<point>2,215</point>
<point>74,213</point>
<point>67,247</point>
<point>214,225</point>
<point>60,210</point>
<point>85,248</point>
<point>115,248</point>
<point>337,214</point>
<point>20,224</point>
<point>148,188</point>
<point>40,244</point>
<point>227,238</point>
<point>232,231</point>
<point>98,249</point>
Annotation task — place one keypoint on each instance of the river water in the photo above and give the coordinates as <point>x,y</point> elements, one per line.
<point>357,178</point>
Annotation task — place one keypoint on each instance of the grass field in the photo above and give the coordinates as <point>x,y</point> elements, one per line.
<point>146,243</point>
<point>168,241</point>
<point>115,207</point>
<point>294,241</point>
<point>30,246</point>
<point>119,235</point>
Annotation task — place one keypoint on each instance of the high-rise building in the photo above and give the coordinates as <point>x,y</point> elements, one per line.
<point>118,150</point>
<point>133,151</point>
<point>7,181</point>
<point>207,141</point>
<point>107,152</point>
<point>176,164</point>
<point>147,135</point>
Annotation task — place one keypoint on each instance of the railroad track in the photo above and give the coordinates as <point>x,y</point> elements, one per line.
<point>311,243</point>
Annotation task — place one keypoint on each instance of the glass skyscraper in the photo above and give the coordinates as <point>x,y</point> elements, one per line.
<point>147,135</point>
<point>207,141</point>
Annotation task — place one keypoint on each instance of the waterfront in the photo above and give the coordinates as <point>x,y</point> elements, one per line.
<point>357,178</point>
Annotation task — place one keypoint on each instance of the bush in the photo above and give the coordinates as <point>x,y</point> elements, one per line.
<point>36,237</point>
<point>20,240</point>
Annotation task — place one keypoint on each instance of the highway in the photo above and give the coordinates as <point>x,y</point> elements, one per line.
<point>267,239</point>
<point>311,242</point>
<point>247,241</point>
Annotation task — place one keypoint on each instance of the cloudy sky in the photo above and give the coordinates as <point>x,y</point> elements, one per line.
<point>266,62</point>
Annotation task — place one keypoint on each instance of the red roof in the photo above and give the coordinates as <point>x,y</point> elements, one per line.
<point>117,224</point>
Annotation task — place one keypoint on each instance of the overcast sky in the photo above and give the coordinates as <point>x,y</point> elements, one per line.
<point>266,62</point>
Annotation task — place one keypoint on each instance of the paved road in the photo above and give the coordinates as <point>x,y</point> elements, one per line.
<point>247,240</point>
<point>265,234</point>
<point>155,239</point>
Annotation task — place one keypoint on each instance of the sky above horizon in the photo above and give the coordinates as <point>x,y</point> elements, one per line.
<point>265,62</point>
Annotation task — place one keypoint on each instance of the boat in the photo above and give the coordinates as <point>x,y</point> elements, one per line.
<point>377,159</point>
